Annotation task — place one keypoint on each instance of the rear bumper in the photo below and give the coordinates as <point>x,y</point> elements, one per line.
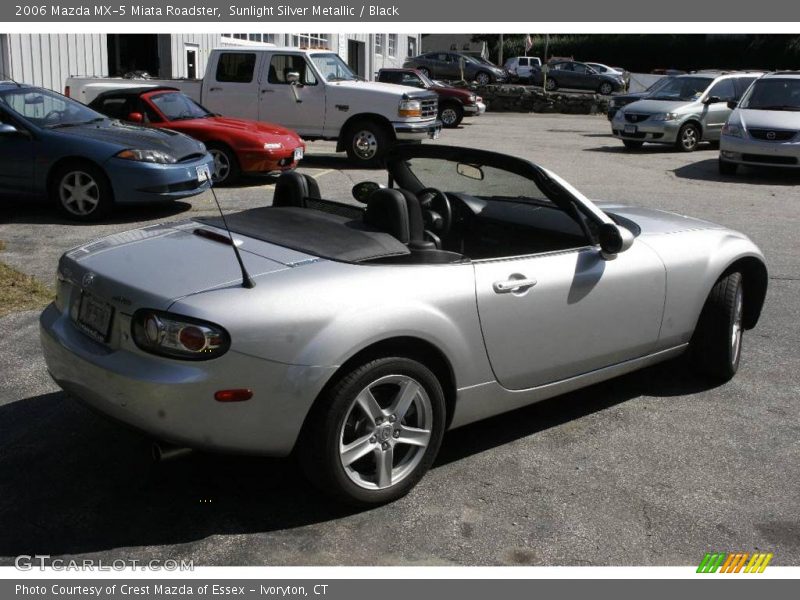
<point>747,151</point>
<point>134,181</point>
<point>417,131</point>
<point>173,400</point>
<point>263,162</point>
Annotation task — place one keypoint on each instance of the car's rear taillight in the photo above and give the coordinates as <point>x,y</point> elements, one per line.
<point>67,91</point>
<point>177,336</point>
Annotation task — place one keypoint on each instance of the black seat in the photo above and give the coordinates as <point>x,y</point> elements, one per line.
<point>398,213</point>
<point>293,189</point>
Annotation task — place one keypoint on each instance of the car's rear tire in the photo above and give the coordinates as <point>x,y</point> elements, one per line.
<point>716,346</point>
<point>688,138</point>
<point>632,144</point>
<point>367,142</point>
<point>727,168</point>
<point>605,89</point>
<point>82,191</point>
<point>451,114</point>
<point>226,165</point>
<point>375,432</point>
<point>551,85</point>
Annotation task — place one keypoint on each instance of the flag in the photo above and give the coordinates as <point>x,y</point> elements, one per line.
<point>528,42</point>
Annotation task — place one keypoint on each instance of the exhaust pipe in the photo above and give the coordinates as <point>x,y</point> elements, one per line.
<point>165,452</point>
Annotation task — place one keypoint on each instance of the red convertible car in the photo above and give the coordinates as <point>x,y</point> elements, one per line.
<point>237,145</point>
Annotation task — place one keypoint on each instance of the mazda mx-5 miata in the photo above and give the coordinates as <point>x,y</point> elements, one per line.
<point>353,335</point>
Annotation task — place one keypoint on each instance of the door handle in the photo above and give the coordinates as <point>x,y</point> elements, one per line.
<point>215,89</point>
<point>267,91</point>
<point>513,285</point>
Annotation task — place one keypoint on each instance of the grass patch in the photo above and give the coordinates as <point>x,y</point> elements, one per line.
<point>20,292</point>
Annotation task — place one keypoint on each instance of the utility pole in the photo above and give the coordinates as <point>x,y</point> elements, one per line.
<point>500,54</point>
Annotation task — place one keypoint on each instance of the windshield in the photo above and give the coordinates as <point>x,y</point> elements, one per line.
<point>333,68</point>
<point>683,88</point>
<point>658,85</point>
<point>176,106</point>
<point>773,94</point>
<point>48,109</point>
<point>475,180</point>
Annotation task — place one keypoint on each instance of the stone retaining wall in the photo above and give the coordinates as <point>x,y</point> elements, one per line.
<point>526,98</point>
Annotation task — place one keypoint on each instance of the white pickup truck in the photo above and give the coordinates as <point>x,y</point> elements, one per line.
<point>311,91</point>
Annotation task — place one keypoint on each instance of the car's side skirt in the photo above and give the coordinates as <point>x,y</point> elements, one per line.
<point>488,399</point>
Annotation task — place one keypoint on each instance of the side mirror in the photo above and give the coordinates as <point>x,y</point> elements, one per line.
<point>6,129</point>
<point>136,117</point>
<point>713,100</point>
<point>613,240</point>
<point>362,191</point>
<point>293,78</point>
<point>732,104</point>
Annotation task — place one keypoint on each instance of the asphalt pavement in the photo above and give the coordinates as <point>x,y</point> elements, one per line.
<point>654,468</point>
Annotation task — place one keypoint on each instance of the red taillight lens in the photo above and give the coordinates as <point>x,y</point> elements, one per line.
<point>67,91</point>
<point>239,395</point>
<point>178,336</point>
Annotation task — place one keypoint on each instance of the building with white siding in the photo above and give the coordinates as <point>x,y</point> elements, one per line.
<point>48,59</point>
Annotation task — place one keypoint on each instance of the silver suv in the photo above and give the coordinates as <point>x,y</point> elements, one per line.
<point>684,112</point>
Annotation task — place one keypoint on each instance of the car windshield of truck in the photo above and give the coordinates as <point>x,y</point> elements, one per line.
<point>683,89</point>
<point>773,94</point>
<point>48,109</point>
<point>333,68</point>
<point>176,106</point>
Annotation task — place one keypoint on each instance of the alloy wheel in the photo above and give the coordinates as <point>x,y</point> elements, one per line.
<point>550,85</point>
<point>689,138</point>
<point>606,89</point>
<point>482,79</point>
<point>449,116</point>
<point>222,165</point>
<point>79,193</point>
<point>386,432</point>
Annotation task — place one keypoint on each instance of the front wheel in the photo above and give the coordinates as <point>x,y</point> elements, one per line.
<point>605,89</point>
<point>226,166</point>
<point>688,138</point>
<point>551,85</point>
<point>483,78</point>
<point>716,345</point>
<point>451,115</point>
<point>367,142</point>
<point>375,433</point>
<point>82,192</point>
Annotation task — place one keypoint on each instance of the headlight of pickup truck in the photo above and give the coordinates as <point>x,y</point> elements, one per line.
<point>151,156</point>
<point>410,108</point>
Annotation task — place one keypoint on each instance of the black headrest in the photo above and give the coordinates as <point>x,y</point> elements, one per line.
<point>397,212</point>
<point>293,188</point>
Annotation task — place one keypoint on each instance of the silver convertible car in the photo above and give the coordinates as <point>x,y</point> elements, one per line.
<point>353,335</point>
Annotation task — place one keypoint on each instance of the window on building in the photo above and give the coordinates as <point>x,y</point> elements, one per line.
<point>261,38</point>
<point>392,45</point>
<point>310,40</point>
<point>379,43</point>
<point>236,67</point>
<point>412,46</point>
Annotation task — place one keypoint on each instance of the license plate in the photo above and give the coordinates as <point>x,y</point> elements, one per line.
<point>94,317</point>
<point>203,173</point>
<point>298,154</point>
<point>631,129</point>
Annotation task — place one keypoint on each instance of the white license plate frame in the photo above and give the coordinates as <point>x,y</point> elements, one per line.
<point>298,154</point>
<point>95,317</point>
<point>631,129</point>
<point>203,173</point>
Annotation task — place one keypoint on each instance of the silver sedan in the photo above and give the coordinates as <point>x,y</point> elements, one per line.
<point>355,335</point>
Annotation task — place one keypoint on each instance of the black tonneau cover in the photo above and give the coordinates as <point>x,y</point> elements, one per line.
<point>312,232</point>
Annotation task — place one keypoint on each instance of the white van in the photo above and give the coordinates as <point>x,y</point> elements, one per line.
<point>521,67</point>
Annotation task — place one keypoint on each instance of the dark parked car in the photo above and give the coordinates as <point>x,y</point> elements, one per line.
<point>449,65</point>
<point>454,103</point>
<point>53,146</point>
<point>576,75</point>
<point>618,102</point>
